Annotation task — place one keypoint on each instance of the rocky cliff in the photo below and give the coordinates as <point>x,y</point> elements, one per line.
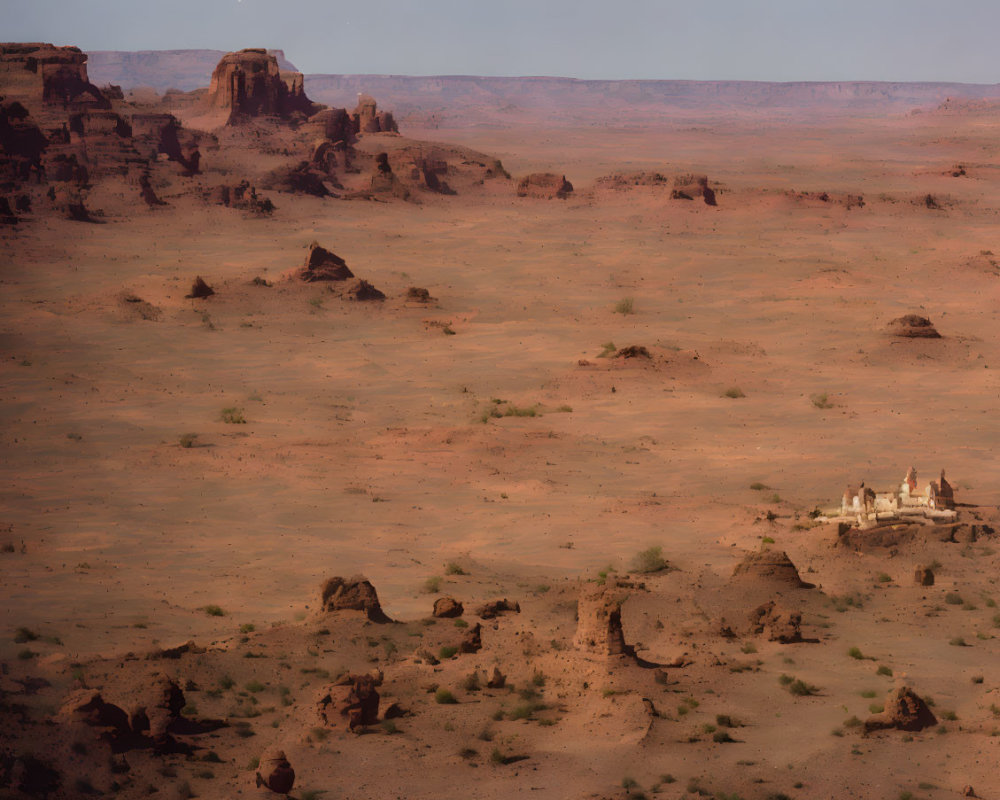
<point>163,69</point>
<point>249,83</point>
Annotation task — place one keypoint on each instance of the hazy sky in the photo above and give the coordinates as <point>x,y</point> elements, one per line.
<point>777,40</point>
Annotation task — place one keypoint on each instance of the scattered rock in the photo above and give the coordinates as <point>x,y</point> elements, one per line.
<point>904,711</point>
<point>200,289</point>
<point>303,177</point>
<point>472,642</point>
<point>912,326</point>
<point>355,594</point>
<point>923,576</point>
<point>544,185</point>
<point>355,698</point>
<point>134,307</point>
<point>7,215</point>
<point>175,652</point>
<point>497,680</point>
<point>34,777</point>
<point>395,711</point>
<point>241,196</point>
<point>148,195</point>
<point>110,721</point>
<point>322,265</point>
<point>446,607</point>
<point>416,294</point>
<point>362,291</point>
<point>633,351</point>
<point>278,775</point>
<point>945,494</point>
<point>775,623</point>
<point>688,187</point>
<point>497,607</point>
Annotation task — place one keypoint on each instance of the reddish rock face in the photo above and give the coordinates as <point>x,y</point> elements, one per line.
<point>55,75</point>
<point>250,84</point>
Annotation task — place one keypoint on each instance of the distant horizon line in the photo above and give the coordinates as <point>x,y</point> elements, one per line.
<point>642,80</point>
<point>471,75</point>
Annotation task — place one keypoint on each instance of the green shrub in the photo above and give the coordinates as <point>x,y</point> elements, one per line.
<point>432,585</point>
<point>452,568</point>
<point>233,416</point>
<point>214,611</point>
<point>649,560</point>
<point>733,393</point>
<point>515,411</point>
<point>471,682</point>
<point>22,635</point>
<point>625,306</point>
<point>821,400</point>
<point>447,652</point>
<point>883,670</point>
<point>188,440</point>
<point>444,697</point>
<point>855,652</point>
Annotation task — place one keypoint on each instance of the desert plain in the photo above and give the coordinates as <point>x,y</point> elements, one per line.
<point>604,400</point>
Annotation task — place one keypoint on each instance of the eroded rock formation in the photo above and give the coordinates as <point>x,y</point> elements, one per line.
<point>276,772</point>
<point>599,618</point>
<point>353,699</point>
<point>323,265</point>
<point>913,326</point>
<point>355,594</point>
<point>447,607</point>
<point>495,608</point>
<point>544,185</point>
<point>904,711</point>
<point>776,623</point>
<point>55,75</point>
<point>771,566</point>
<point>249,84</point>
